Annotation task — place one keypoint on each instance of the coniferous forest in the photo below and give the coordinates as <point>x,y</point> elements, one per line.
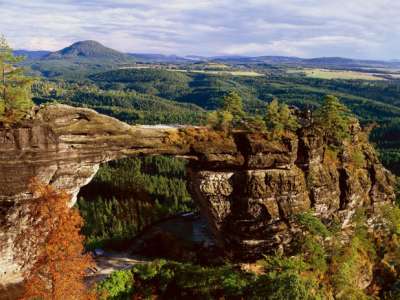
<point>129,197</point>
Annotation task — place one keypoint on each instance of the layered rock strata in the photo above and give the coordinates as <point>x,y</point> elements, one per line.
<point>248,185</point>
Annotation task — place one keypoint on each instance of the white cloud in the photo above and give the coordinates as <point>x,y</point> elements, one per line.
<point>363,28</point>
<point>44,43</point>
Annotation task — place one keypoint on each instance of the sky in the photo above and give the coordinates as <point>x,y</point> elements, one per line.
<point>367,29</point>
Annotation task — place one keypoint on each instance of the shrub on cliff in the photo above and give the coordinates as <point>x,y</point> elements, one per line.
<point>118,285</point>
<point>310,241</point>
<point>220,120</point>
<point>287,278</point>
<point>398,191</point>
<point>351,261</point>
<point>172,280</point>
<point>15,87</point>
<point>388,271</point>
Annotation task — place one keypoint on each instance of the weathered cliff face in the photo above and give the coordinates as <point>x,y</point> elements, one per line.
<point>247,185</point>
<point>251,208</point>
<point>64,146</point>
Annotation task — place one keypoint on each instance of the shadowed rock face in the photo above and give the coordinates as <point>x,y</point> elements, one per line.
<point>251,208</point>
<point>247,186</point>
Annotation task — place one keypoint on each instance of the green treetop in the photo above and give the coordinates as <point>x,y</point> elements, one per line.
<point>334,117</point>
<point>15,87</point>
<point>279,118</point>
<point>230,115</point>
<point>220,120</point>
<point>232,102</point>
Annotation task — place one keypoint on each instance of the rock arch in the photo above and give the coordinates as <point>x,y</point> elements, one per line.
<point>247,186</point>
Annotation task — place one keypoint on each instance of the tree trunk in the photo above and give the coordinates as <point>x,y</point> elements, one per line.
<point>4,90</point>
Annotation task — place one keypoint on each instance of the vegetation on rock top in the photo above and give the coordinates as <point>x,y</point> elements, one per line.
<point>15,87</point>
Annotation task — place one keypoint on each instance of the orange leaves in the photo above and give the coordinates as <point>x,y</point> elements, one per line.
<point>60,267</point>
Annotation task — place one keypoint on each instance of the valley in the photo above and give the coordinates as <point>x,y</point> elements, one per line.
<point>199,150</point>
<point>206,177</point>
<point>168,90</point>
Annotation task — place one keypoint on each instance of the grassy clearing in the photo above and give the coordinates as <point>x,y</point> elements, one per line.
<point>335,74</point>
<point>233,73</point>
<point>210,72</point>
<point>216,66</point>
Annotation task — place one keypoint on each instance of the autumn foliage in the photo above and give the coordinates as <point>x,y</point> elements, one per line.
<point>59,269</point>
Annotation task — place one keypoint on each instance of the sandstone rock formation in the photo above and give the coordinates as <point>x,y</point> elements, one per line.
<point>247,185</point>
<point>251,208</point>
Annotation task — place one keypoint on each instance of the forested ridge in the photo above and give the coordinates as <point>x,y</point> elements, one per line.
<point>151,96</point>
<point>320,266</point>
<point>128,195</point>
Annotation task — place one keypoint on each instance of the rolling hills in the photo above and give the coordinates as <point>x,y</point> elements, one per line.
<point>156,91</point>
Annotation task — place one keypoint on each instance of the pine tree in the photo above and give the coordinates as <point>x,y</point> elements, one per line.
<point>279,118</point>
<point>232,103</point>
<point>273,119</point>
<point>334,117</point>
<point>230,115</point>
<point>15,87</point>
<point>60,265</point>
<point>220,120</point>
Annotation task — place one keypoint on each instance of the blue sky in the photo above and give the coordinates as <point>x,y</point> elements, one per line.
<point>305,28</point>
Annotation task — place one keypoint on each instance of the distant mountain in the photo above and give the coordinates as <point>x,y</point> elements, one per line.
<point>160,58</point>
<point>280,59</point>
<point>195,57</point>
<point>88,50</point>
<point>257,59</point>
<point>78,61</point>
<point>94,51</point>
<point>329,62</point>
<point>31,54</point>
<point>90,57</point>
<point>340,61</point>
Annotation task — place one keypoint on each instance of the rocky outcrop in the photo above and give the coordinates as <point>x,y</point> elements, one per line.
<point>63,146</point>
<point>251,208</point>
<point>248,185</point>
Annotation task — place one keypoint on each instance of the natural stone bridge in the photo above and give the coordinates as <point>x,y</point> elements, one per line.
<point>246,185</point>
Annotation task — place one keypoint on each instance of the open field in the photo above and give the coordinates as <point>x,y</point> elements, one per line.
<point>336,74</point>
<point>212,72</point>
<point>209,72</point>
<point>216,66</point>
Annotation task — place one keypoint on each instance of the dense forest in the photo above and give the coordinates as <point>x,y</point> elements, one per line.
<point>130,194</point>
<point>287,185</point>
<point>316,271</point>
<point>153,96</point>
<point>321,265</point>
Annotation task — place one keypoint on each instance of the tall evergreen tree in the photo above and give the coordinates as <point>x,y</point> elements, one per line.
<point>334,117</point>
<point>230,115</point>
<point>15,87</point>
<point>273,118</point>
<point>232,103</point>
<point>279,118</point>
